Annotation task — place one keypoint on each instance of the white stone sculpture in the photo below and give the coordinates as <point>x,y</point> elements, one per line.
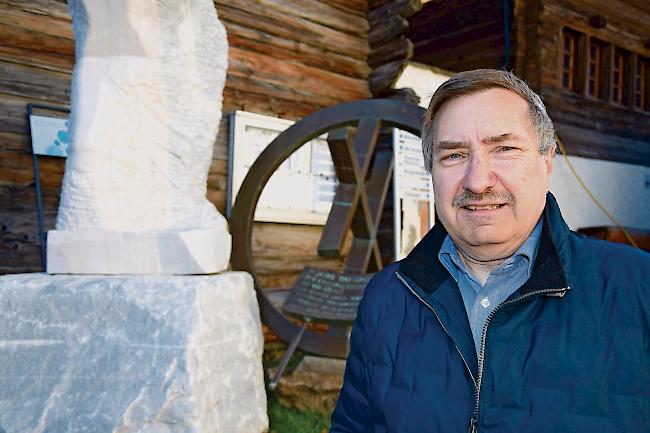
<point>146,104</point>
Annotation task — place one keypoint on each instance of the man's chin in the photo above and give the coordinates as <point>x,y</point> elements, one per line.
<point>488,246</point>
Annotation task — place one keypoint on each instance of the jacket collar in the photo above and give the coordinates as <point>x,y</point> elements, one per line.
<point>423,267</point>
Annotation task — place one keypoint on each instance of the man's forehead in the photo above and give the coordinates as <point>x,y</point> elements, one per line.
<point>484,97</point>
<point>488,113</point>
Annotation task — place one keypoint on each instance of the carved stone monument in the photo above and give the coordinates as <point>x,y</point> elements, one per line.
<point>146,104</point>
<point>147,353</point>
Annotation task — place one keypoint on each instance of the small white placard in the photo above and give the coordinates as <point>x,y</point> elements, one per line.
<point>49,135</point>
<point>301,190</point>
<point>413,193</point>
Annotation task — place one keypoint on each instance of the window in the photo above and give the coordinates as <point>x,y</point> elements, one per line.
<point>595,68</point>
<point>570,60</point>
<point>641,84</point>
<point>619,76</point>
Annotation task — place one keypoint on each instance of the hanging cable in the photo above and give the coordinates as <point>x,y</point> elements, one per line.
<point>589,193</point>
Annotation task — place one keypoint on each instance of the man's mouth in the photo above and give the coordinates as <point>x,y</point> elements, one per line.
<point>483,207</point>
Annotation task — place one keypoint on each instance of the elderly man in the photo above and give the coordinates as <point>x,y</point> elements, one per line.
<point>501,319</point>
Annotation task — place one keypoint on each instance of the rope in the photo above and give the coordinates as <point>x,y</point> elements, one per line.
<point>589,193</point>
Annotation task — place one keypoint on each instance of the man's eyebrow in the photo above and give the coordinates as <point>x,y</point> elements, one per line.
<point>449,144</point>
<point>495,139</point>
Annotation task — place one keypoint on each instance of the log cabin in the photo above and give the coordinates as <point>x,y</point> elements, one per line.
<point>589,60</point>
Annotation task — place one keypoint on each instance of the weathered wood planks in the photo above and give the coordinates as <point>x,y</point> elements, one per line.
<point>459,35</point>
<point>588,126</point>
<point>288,58</point>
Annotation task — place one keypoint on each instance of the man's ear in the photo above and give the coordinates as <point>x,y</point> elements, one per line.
<point>550,156</point>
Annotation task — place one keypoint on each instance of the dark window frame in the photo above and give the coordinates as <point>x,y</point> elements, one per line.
<point>570,59</point>
<point>620,77</point>
<point>596,69</point>
<point>640,83</point>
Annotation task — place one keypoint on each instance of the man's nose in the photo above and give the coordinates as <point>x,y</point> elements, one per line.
<point>479,175</point>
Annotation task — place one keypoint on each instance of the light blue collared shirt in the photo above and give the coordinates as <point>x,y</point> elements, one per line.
<point>502,282</point>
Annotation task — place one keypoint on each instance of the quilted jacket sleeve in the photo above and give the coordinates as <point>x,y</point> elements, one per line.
<point>352,412</point>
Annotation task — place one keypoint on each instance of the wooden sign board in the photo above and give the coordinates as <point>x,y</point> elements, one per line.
<point>327,296</point>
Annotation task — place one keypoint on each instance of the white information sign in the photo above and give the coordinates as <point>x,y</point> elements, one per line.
<point>413,193</point>
<point>301,191</point>
<point>49,135</point>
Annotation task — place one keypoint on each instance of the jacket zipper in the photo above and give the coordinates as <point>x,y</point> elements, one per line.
<point>441,324</point>
<point>473,427</point>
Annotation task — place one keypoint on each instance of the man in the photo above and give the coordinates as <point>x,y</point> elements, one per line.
<point>501,319</point>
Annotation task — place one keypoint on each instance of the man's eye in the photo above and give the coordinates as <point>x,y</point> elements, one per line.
<point>452,156</point>
<point>506,148</point>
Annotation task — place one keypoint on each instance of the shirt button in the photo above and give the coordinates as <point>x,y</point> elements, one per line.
<point>485,302</point>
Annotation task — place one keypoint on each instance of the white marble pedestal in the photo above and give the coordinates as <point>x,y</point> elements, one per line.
<point>130,354</point>
<point>152,252</point>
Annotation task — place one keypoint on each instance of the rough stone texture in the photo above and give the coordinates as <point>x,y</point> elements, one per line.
<point>314,385</point>
<point>130,354</point>
<point>145,108</point>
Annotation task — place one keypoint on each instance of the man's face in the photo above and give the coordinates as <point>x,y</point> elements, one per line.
<point>489,178</point>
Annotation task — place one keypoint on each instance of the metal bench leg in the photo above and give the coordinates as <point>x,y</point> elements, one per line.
<point>287,355</point>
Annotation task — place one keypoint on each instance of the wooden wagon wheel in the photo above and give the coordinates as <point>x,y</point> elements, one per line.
<point>357,195</point>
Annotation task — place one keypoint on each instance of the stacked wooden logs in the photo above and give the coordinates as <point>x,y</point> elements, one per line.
<point>390,49</point>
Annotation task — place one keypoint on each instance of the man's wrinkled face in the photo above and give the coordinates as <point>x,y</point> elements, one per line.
<point>489,178</point>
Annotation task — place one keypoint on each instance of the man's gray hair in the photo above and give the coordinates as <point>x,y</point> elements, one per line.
<point>478,80</point>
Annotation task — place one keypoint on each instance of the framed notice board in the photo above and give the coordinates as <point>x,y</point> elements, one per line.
<point>301,191</point>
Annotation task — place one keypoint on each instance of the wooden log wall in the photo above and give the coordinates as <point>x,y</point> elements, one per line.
<point>390,48</point>
<point>459,35</point>
<point>287,59</point>
<point>36,57</point>
<point>590,127</point>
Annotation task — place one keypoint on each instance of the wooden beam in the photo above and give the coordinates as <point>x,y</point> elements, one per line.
<point>357,7</point>
<point>45,24</point>
<point>318,12</point>
<point>263,103</point>
<point>292,76</point>
<point>43,60</point>
<point>384,77</point>
<point>404,8</point>
<point>248,14</point>
<point>387,30</point>
<point>52,8</point>
<point>397,49</point>
<point>592,144</point>
<point>33,82</point>
<point>295,51</point>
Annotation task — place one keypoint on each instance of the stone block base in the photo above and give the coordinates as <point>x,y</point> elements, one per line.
<point>130,354</point>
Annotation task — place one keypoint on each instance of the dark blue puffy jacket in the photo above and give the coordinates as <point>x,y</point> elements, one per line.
<point>567,352</point>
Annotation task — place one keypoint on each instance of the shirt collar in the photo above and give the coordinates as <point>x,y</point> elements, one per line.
<point>448,254</point>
